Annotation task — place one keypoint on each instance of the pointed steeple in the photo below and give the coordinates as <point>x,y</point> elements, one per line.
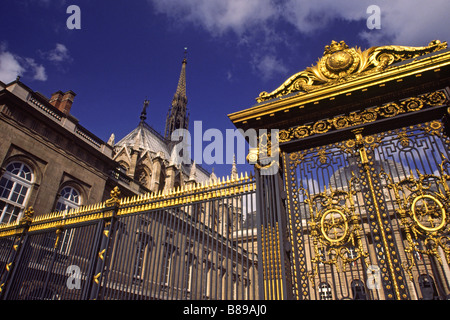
<point>177,117</point>
<point>181,87</point>
<point>193,173</point>
<point>111,140</point>
<point>213,177</point>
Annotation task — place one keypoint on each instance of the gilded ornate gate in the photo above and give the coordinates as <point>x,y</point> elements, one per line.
<point>369,216</point>
<point>364,145</point>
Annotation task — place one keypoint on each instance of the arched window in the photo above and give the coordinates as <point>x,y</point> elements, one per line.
<point>325,291</point>
<point>143,177</point>
<point>428,288</point>
<point>69,199</point>
<point>359,293</point>
<point>15,186</point>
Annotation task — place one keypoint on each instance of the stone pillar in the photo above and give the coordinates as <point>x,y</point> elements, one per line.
<point>156,173</point>
<point>134,158</point>
<point>171,172</point>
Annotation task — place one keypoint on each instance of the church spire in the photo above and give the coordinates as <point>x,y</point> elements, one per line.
<point>144,111</point>
<point>177,117</point>
<point>181,88</point>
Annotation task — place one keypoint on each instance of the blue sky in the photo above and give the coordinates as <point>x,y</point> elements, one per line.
<point>129,51</point>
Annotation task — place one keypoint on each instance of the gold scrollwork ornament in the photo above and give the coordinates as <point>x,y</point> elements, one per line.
<point>423,213</point>
<point>335,229</point>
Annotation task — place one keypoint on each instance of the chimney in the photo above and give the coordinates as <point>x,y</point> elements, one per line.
<point>63,101</point>
<point>56,98</point>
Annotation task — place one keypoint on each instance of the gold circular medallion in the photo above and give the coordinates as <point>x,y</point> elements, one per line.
<point>339,61</point>
<point>429,213</point>
<point>339,64</point>
<point>334,226</point>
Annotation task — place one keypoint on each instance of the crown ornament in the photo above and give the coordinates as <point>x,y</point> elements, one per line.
<point>334,47</point>
<point>340,63</point>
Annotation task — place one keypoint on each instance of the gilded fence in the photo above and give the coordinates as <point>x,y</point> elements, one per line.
<point>195,242</point>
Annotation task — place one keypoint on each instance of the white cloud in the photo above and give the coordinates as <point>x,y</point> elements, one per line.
<point>309,16</point>
<point>59,55</point>
<point>37,69</point>
<point>403,22</point>
<point>10,68</point>
<point>12,65</point>
<point>268,66</point>
<point>218,16</point>
<point>412,22</point>
<point>229,75</point>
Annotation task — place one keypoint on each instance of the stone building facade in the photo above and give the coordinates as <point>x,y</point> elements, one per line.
<point>47,158</point>
<point>49,161</point>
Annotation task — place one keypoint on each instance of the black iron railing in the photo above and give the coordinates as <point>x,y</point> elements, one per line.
<point>196,242</point>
